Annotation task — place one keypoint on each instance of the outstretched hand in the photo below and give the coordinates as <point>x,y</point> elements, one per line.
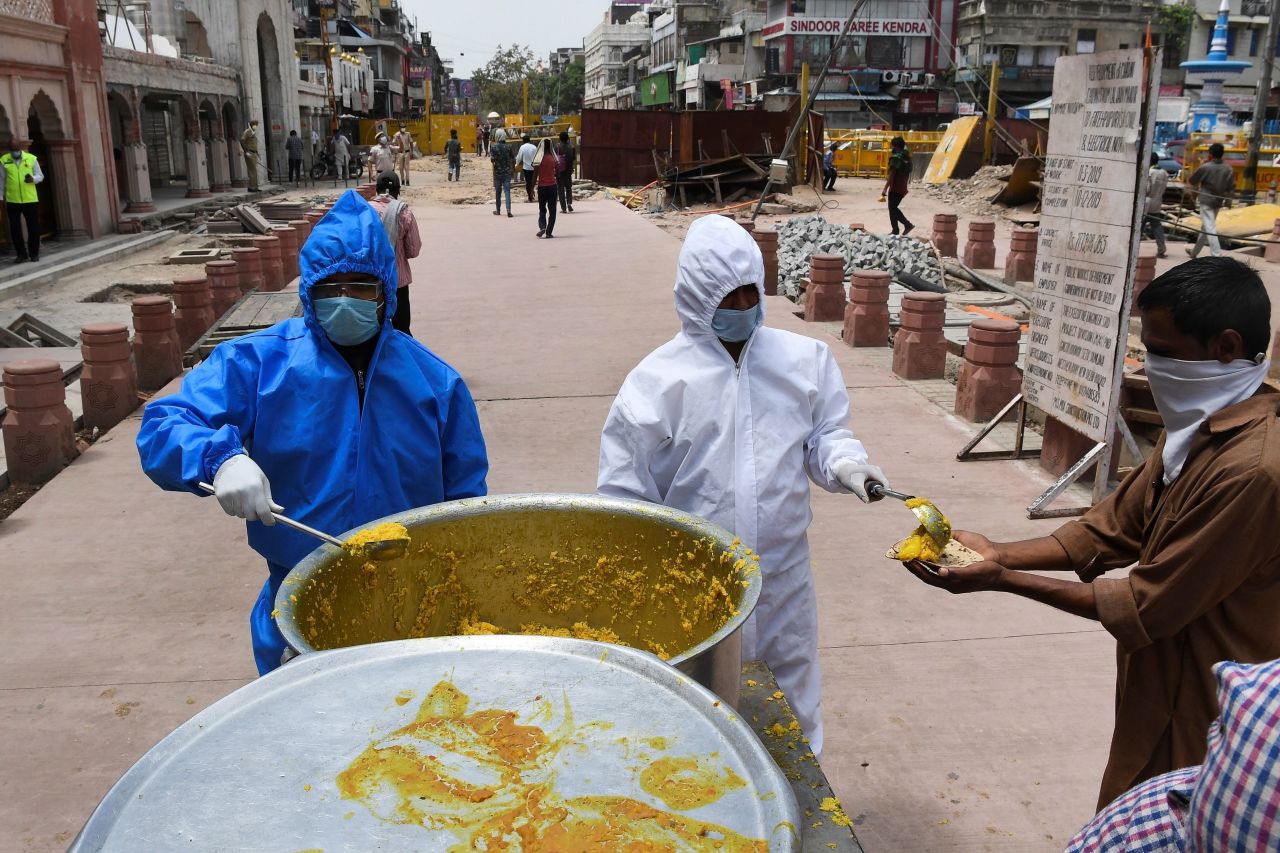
<point>977,542</point>
<point>959,579</point>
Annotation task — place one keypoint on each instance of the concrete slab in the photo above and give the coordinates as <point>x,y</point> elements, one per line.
<point>113,584</point>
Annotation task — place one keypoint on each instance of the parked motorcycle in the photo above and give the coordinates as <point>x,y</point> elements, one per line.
<point>325,166</point>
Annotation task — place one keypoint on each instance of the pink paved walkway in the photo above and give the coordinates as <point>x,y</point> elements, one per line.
<point>975,723</point>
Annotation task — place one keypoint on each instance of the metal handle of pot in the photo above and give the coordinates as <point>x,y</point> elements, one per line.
<point>289,522</point>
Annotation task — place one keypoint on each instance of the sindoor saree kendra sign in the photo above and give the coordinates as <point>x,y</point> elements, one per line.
<point>799,26</point>
<point>1083,259</point>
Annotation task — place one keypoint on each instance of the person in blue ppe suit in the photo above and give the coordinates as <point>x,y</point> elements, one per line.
<point>336,417</point>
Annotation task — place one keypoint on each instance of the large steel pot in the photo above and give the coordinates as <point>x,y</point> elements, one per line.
<point>662,580</point>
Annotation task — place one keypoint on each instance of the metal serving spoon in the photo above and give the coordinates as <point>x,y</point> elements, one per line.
<point>935,523</point>
<point>387,549</point>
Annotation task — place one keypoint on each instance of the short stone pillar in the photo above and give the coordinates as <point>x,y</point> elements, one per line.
<point>314,216</point>
<point>108,385</point>
<point>249,264</point>
<point>197,169</point>
<point>767,240</point>
<point>919,348</point>
<point>747,224</point>
<point>194,312</point>
<point>944,234</point>
<point>272,270</point>
<point>157,353</point>
<point>980,250</point>
<point>857,226</point>
<point>824,298</point>
<point>224,285</point>
<point>289,247</point>
<point>219,166</point>
<point>866,318</point>
<point>989,378</point>
<point>39,432</point>
<point>1144,272</point>
<point>303,227</point>
<point>1272,250</point>
<point>137,179</point>
<point>1020,263</point>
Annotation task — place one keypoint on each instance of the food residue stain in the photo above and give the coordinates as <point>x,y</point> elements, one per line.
<point>833,807</point>
<point>404,697</point>
<point>489,779</point>
<point>685,783</point>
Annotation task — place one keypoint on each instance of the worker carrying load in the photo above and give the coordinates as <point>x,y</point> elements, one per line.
<point>336,417</point>
<point>724,421</point>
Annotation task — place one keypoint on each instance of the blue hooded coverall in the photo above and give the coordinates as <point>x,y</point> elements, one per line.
<point>287,398</point>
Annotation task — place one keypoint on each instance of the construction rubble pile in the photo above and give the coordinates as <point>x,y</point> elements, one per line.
<point>973,194</point>
<point>800,237</point>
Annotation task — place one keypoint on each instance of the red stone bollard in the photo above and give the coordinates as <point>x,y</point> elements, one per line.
<point>224,285</point>
<point>108,385</point>
<point>303,227</point>
<point>1020,263</point>
<point>272,272</point>
<point>919,349</point>
<point>767,240</point>
<point>314,216</point>
<point>249,264</point>
<point>157,353</point>
<point>824,298</point>
<point>747,224</point>
<point>944,234</point>
<point>980,251</point>
<point>1144,272</point>
<point>193,300</point>
<point>857,226</point>
<point>1272,250</point>
<point>866,319</point>
<point>39,433</point>
<point>289,247</point>
<point>990,377</point>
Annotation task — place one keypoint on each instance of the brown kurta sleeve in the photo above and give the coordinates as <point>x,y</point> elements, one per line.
<point>1111,532</point>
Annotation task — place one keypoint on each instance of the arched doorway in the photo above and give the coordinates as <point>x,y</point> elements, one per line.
<point>208,128</point>
<point>120,117</point>
<point>44,127</point>
<point>271,87</point>
<point>233,127</point>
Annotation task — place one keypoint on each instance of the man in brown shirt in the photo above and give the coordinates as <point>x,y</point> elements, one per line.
<point>1196,523</point>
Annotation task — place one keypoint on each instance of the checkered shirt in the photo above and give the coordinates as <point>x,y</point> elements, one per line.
<point>1145,819</point>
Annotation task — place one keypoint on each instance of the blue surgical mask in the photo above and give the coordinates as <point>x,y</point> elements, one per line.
<point>347,320</point>
<point>735,326</point>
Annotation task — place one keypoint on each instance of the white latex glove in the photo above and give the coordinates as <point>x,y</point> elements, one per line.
<point>243,491</point>
<point>855,476</point>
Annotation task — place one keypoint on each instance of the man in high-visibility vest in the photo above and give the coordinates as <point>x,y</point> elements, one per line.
<point>249,145</point>
<point>21,175</point>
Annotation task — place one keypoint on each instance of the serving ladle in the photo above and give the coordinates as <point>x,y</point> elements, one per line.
<point>934,522</point>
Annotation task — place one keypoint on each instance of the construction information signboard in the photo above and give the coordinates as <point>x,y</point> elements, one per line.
<point>1084,259</point>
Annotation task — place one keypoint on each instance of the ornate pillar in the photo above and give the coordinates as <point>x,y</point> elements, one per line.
<point>219,166</point>
<point>73,223</point>
<point>197,160</point>
<point>235,158</point>
<point>137,172</point>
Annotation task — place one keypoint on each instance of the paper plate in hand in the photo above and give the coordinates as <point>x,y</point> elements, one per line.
<point>954,555</point>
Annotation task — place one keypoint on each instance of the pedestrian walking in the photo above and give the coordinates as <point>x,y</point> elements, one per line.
<point>503,162</point>
<point>487,132</point>
<point>342,155</point>
<point>829,169</point>
<point>21,200</point>
<point>249,147</point>
<point>1216,182</point>
<point>895,186</point>
<point>381,158</point>
<point>479,140</point>
<point>524,158</point>
<point>270,417</point>
<point>549,167</point>
<point>725,421</point>
<point>453,151</point>
<point>570,157</point>
<point>293,147</point>
<point>1157,183</point>
<point>403,235</point>
<point>403,146</point>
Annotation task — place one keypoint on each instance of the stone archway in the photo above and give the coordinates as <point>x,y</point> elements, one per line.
<point>120,117</point>
<point>45,140</point>
<point>197,158</point>
<point>133,176</point>
<point>271,87</point>
<point>233,126</point>
<point>215,146</point>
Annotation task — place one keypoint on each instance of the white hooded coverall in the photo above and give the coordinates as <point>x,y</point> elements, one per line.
<point>731,443</point>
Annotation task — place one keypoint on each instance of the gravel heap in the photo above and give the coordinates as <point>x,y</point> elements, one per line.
<point>801,236</point>
<point>973,194</point>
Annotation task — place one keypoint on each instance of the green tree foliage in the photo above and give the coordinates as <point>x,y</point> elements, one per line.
<point>565,91</point>
<point>1176,20</point>
<point>499,84</point>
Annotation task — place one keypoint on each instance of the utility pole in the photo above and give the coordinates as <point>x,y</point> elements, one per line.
<point>993,104</point>
<point>326,9</point>
<point>1250,190</point>
<point>802,158</point>
<point>524,107</point>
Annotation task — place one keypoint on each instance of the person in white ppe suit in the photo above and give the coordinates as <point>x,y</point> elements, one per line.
<point>724,421</point>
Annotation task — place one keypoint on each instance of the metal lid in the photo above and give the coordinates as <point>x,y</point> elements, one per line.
<point>426,744</point>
